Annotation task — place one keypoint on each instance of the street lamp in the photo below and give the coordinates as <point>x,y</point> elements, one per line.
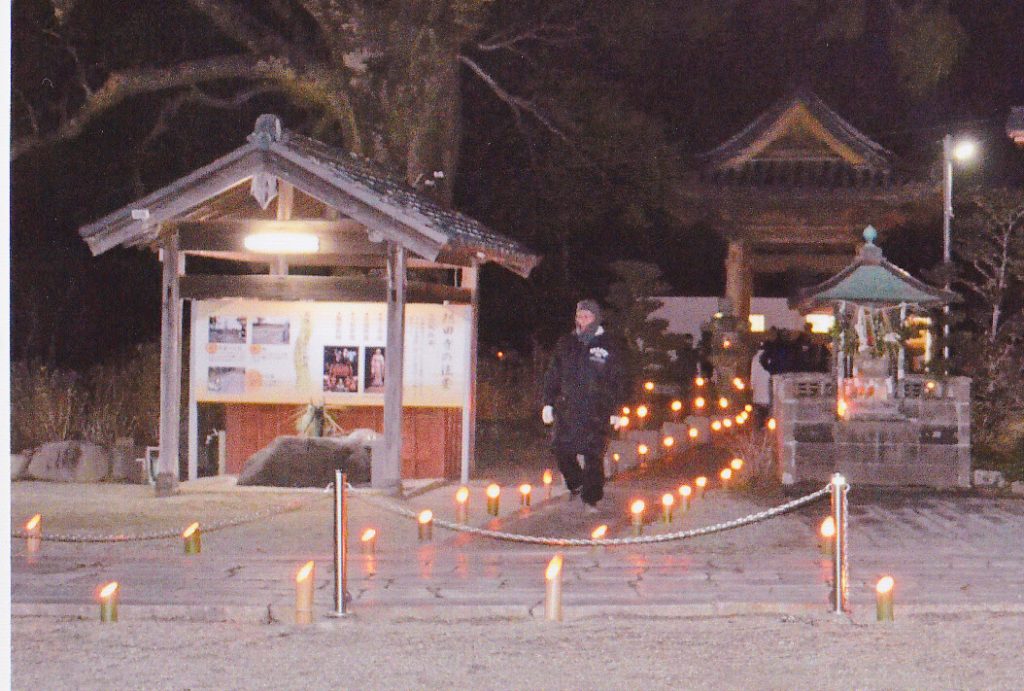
<point>962,150</point>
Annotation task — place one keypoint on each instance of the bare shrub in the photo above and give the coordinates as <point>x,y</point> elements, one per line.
<point>756,448</point>
<point>124,398</point>
<point>47,404</point>
<point>510,389</point>
<point>120,398</point>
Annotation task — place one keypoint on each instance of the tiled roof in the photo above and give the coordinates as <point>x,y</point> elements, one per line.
<point>872,280</point>
<point>390,193</point>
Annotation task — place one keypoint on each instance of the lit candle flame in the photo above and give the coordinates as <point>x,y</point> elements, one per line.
<point>462,494</point>
<point>685,491</point>
<point>740,419</point>
<point>33,522</point>
<point>649,386</point>
<point>828,527</point>
<point>668,442</point>
<point>426,516</point>
<point>738,383</point>
<point>748,408</point>
<point>727,422</point>
<point>841,408</point>
<point>493,491</point>
<point>108,590</point>
<point>616,457</point>
<point>554,568</point>
<point>930,386</point>
<point>641,411</point>
<point>723,402</point>
<point>667,499</point>
<point>623,422</point>
<point>693,433</point>
<point>368,534</point>
<point>191,529</point>
<point>701,481</point>
<point>676,406</point>
<point>726,474</point>
<point>699,381</point>
<point>771,423</point>
<point>736,463</point>
<point>642,449</point>
<point>625,410</point>
<point>727,343</point>
<point>599,532</point>
<point>525,489</point>
<point>547,477</point>
<point>885,584</point>
<point>716,425</point>
<point>699,402</point>
<point>637,507</point>
<point>304,572</point>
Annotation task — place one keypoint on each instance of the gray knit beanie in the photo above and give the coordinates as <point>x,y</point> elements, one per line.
<point>591,306</point>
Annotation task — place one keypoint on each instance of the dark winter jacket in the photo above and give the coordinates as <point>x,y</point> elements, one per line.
<point>586,385</point>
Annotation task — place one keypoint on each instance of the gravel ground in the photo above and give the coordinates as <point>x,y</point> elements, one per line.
<point>971,651</point>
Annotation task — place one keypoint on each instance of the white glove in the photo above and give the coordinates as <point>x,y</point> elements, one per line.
<point>615,422</point>
<point>547,414</point>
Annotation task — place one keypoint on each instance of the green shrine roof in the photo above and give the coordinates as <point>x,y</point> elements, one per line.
<point>872,280</point>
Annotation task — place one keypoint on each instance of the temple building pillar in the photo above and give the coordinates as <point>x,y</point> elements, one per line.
<point>739,278</point>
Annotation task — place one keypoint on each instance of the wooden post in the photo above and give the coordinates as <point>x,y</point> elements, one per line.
<point>388,474</point>
<point>470,279</point>
<point>170,372</point>
<point>737,279</point>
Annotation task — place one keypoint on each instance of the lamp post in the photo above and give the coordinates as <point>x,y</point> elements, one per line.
<point>964,150</point>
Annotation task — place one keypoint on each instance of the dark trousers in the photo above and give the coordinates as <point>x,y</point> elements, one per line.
<point>588,478</point>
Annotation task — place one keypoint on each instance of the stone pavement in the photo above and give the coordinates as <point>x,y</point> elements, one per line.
<point>946,551</point>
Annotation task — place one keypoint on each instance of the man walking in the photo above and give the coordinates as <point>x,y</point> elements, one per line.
<point>584,389</point>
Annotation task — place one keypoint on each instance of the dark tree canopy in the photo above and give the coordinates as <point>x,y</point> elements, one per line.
<point>557,122</point>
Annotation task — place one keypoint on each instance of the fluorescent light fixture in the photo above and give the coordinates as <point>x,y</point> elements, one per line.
<point>756,323</point>
<point>282,243</point>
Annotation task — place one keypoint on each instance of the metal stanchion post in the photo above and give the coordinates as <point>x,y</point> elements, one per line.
<point>340,546</point>
<point>840,584</point>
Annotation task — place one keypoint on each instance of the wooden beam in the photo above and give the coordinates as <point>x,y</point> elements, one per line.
<point>387,472</point>
<point>170,372</point>
<point>317,288</point>
<point>778,263</point>
<point>288,166</point>
<point>165,204</point>
<point>285,200</point>
<point>470,281</point>
<point>336,237</point>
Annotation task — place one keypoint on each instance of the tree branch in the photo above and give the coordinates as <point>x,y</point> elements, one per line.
<point>518,104</point>
<point>236,22</point>
<point>127,83</point>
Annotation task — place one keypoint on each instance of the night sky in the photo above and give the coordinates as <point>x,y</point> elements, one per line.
<point>72,309</point>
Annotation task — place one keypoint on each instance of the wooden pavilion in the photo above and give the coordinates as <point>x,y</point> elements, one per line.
<point>287,219</point>
<point>791,192</point>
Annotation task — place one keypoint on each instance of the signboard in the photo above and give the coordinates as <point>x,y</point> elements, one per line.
<point>255,351</point>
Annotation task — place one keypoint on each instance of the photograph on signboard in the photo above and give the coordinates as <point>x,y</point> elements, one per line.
<point>374,369</point>
<point>271,330</point>
<point>227,329</point>
<point>226,380</point>
<point>341,369</point>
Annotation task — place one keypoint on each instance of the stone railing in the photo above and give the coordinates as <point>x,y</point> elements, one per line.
<point>927,442</point>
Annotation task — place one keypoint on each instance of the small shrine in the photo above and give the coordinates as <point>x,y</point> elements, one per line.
<point>876,417</point>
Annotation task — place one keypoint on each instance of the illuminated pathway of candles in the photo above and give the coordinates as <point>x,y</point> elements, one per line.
<point>942,550</point>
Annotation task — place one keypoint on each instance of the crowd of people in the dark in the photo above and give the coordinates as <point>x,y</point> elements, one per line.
<point>797,351</point>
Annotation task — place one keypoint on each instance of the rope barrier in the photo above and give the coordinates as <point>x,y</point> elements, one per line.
<point>250,518</point>
<point>581,542</point>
